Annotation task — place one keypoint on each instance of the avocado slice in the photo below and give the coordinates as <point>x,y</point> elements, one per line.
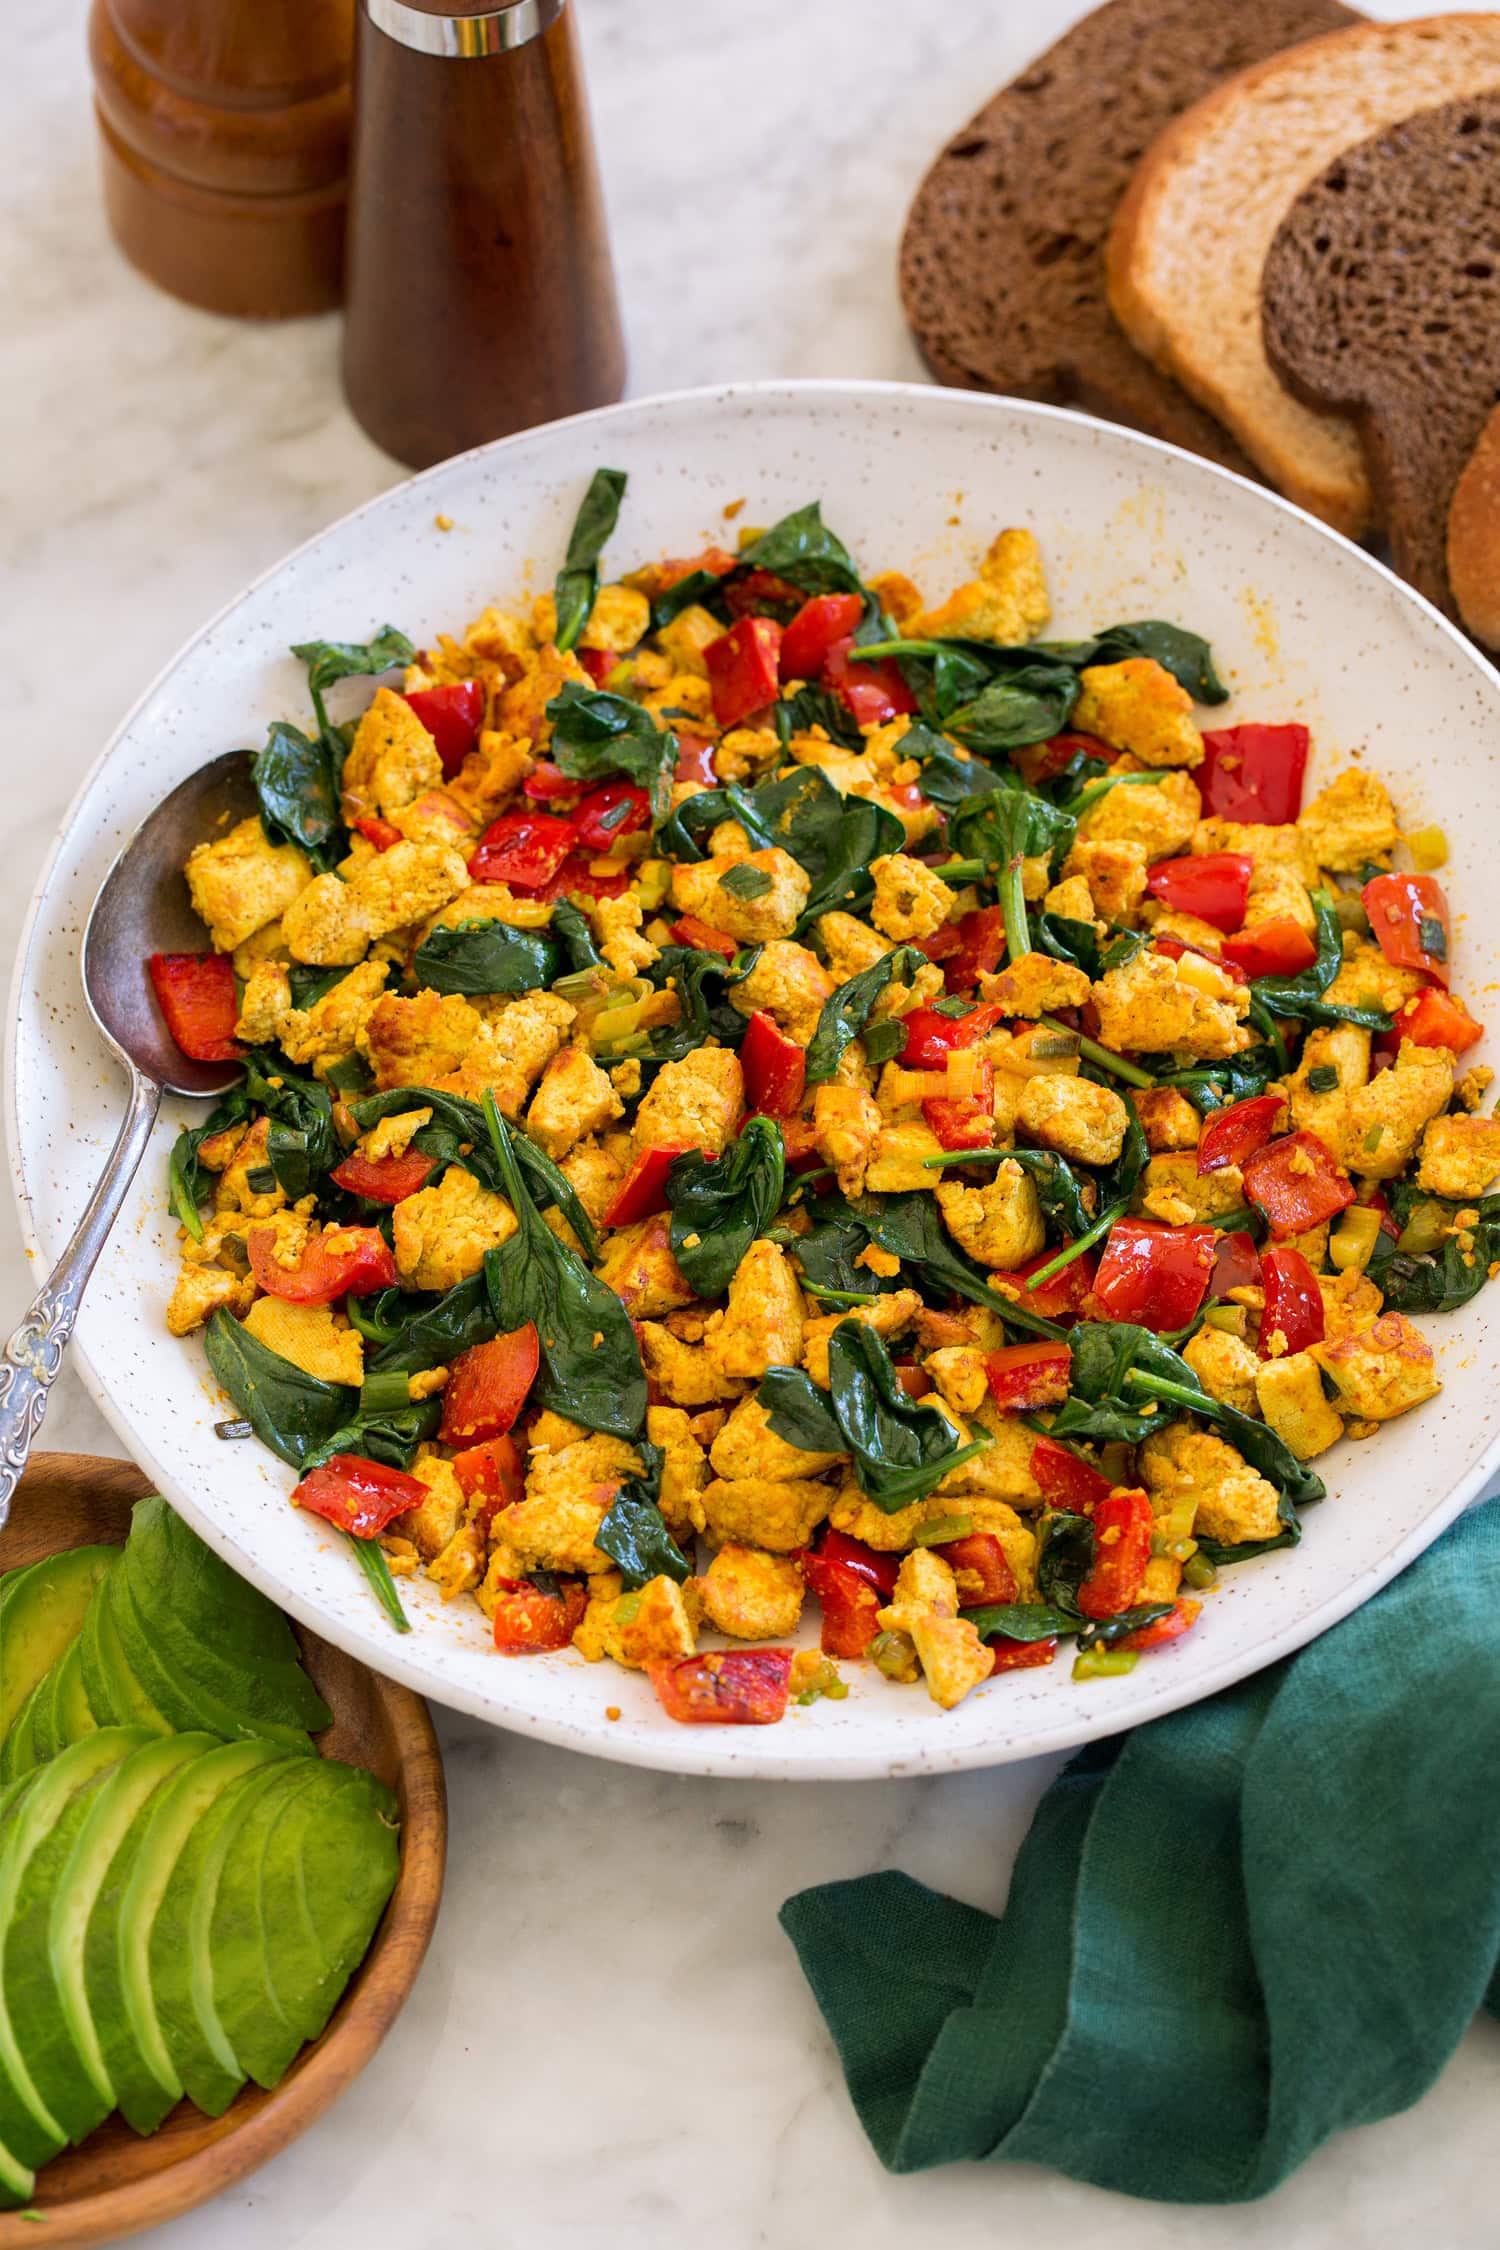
<point>239,1943</point>
<point>61,1706</point>
<point>17,2181</point>
<point>117,1949</point>
<point>183,1697</point>
<point>115,1695</point>
<point>44,1609</point>
<point>98,1980</point>
<point>39,2027</point>
<point>214,1629</point>
<point>181,1970</point>
<point>18,1752</point>
<point>330,1865</point>
<point>29,2128</point>
<point>108,1818</point>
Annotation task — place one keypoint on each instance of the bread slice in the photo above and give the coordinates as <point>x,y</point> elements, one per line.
<point>1191,233</point>
<point>1474,538</point>
<point>1380,299</point>
<point>1002,269</point>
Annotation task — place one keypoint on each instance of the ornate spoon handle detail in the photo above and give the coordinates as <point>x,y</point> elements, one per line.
<point>30,1361</point>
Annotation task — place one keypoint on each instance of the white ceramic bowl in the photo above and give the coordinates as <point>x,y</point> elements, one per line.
<point>1302,624</point>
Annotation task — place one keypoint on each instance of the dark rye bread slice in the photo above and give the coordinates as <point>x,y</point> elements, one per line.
<point>1002,268</point>
<point>1380,299</point>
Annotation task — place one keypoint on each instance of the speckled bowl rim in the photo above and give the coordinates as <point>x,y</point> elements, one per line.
<point>744,1752</point>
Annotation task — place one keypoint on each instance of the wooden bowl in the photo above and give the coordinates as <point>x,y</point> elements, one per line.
<point>114,2183</point>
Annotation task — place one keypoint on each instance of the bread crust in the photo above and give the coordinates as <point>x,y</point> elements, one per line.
<point>1212,346</point>
<point>1474,537</point>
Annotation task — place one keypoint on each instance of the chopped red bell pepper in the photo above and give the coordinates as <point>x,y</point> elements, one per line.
<point>850,1605</point>
<point>1253,773</point>
<point>1061,1296</point>
<point>334,1263</point>
<point>775,1066</point>
<point>1236,1265</point>
<point>1409,918</point>
<point>1214,886</point>
<point>742,665</point>
<point>931,1038</point>
<point>359,1496</point>
<point>914,1380</point>
<point>1179,1618</point>
<point>871,693</point>
<point>744,1688</point>
<point>528,1622</point>
<point>965,1121</point>
<point>982,1568</point>
<point>1294,1303</point>
<point>942,944</point>
<point>452,716</point>
<point>799,1145</point>
<point>1230,1135</point>
<point>1067,1481</point>
<point>487,1386</point>
<point>1436,1019</point>
<point>383,1179</point>
<point>597,662</point>
<point>491,1476</point>
<point>1174,949</point>
<point>695,760</point>
<point>690,931</point>
<point>549,782</point>
<point>762,592</point>
<point>905,799</point>
<point>811,634</point>
<point>1296,1183</point>
<point>381,833</point>
<point>643,1191</point>
<point>196,995</point>
<point>1023,1377</point>
<point>980,949</point>
<point>876,1569</point>
<point>717,561</point>
<point>615,809</point>
<point>522,849</point>
<point>577,877</point>
<point>1020,1656</point>
<point>1278,948</point>
<point>1122,1549</point>
<point>1154,1274</point>
<point>1043,761</point>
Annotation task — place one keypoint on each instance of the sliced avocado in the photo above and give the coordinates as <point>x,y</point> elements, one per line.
<point>239,1944</point>
<point>29,2128</point>
<point>62,1707</point>
<point>163,1828</point>
<point>18,1752</point>
<point>44,1610</point>
<point>108,1819</point>
<point>181,1971</point>
<point>17,2181</point>
<point>212,1627</point>
<point>115,1695</point>
<point>330,1865</point>
<point>142,2098</point>
<point>38,2025</point>
<point>182,1697</point>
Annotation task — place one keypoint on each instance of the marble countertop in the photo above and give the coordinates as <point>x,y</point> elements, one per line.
<point>610,2041</point>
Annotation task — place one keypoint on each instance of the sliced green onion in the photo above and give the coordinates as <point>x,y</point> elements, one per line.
<point>385,1393</point>
<point>351,1074</point>
<point>1013,913</point>
<point>234,1430</point>
<point>894,1655</point>
<point>938,1530</point>
<point>1055,1044</point>
<point>1424,1231</point>
<point>1354,1238</point>
<point>965,870</point>
<point>186,1209</point>
<point>583,984</point>
<point>839,1296</point>
<point>1102,787</point>
<point>1199,1572</point>
<point>1103,1663</point>
<point>1373,1139</point>
<point>372,1562</point>
<point>1230,1320</point>
<point>963,1156</point>
<point>1090,1049</point>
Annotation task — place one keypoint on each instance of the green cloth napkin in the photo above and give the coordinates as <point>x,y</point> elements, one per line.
<point>1229,1934</point>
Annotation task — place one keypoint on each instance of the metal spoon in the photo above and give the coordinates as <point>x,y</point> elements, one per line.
<point>142,908</point>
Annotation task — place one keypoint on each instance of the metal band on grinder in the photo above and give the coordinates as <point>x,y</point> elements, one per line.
<point>495,32</point>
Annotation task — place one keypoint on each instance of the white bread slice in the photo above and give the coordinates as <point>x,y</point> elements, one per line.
<point>1474,537</point>
<point>1191,233</point>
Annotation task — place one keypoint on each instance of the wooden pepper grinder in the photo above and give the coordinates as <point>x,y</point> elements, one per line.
<point>225,129</point>
<point>480,295</point>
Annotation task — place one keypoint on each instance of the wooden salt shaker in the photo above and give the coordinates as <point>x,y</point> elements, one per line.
<point>480,295</point>
<point>224,129</point>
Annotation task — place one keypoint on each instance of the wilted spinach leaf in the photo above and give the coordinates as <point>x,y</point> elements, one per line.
<point>816,707</point>
<point>293,1413</point>
<point>482,957</point>
<point>1067,940</point>
<point>1186,655</point>
<point>187,1186</point>
<point>720,1204</point>
<point>1058,1189</point>
<point>802,550</point>
<point>296,782</point>
<point>301,1144</point>
<point>1014,709</point>
<point>902,1447</point>
<point>1021,1621</point>
<point>1210,1086</point>
<point>1302,996</point>
<point>1064,1558</point>
<point>800,1413</point>
<point>690,971</point>
<point>432,1331</point>
<point>595,733</point>
<point>844,1015</point>
<point>947,778</point>
<point>392,1436</point>
<point>1008,821</point>
<point>570,928</point>
<point>634,1532</point>
<point>911,1227</point>
<point>1440,1280</point>
<point>578,580</point>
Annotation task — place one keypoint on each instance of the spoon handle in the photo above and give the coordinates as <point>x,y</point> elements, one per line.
<point>30,1361</point>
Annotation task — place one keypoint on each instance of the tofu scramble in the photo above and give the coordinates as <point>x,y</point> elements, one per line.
<point>758,1086</point>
